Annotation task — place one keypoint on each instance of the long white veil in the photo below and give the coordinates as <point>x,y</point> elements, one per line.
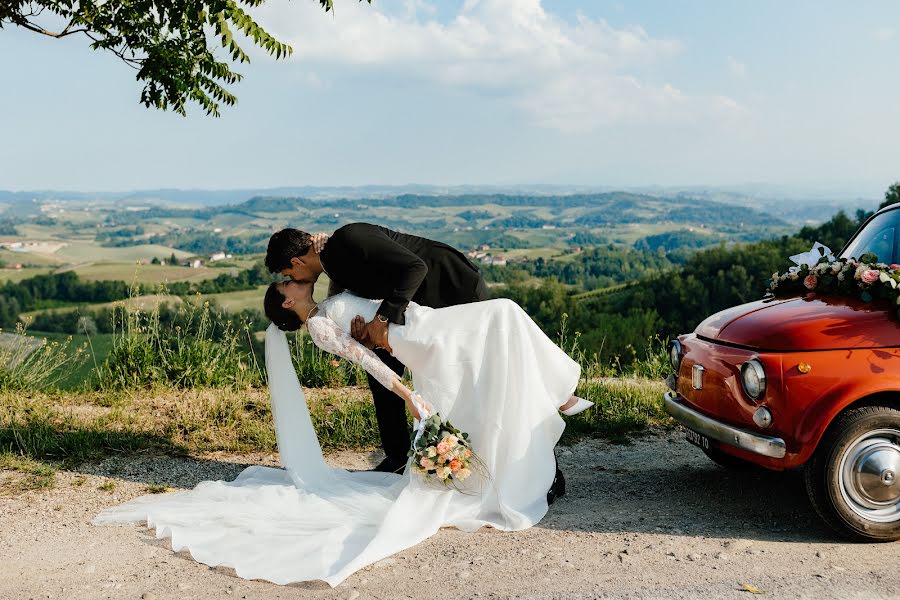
<point>298,444</point>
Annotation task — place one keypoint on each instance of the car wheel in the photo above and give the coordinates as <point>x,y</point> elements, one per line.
<point>853,479</point>
<point>727,461</point>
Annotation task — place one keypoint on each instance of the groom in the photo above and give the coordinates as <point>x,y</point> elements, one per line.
<point>375,262</point>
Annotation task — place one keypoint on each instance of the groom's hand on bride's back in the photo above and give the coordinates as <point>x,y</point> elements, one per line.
<point>371,335</point>
<point>360,332</point>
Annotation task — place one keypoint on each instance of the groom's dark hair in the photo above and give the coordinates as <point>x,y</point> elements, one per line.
<point>284,319</point>
<point>285,245</point>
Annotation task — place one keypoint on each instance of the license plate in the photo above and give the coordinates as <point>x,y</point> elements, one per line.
<point>697,439</point>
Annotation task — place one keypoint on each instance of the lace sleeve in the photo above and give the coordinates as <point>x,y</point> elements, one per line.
<point>331,338</point>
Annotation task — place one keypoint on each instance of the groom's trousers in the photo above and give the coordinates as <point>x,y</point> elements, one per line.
<point>390,410</point>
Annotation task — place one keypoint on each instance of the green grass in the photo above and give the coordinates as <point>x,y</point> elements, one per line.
<point>622,407</point>
<point>238,301</point>
<point>17,275</point>
<point>40,433</point>
<point>32,474</point>
<point>98,347</point>
<point>28,363</point>
<point>77,251</point>
<point>35,261</point>
<point>146,302</point>
<point>152,274</point>
<point>174,392</point>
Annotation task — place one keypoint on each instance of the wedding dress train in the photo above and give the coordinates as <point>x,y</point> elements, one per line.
<point>484,366</point>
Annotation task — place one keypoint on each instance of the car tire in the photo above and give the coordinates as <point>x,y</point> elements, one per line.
<point>853,478</point>
<point>727,461</point>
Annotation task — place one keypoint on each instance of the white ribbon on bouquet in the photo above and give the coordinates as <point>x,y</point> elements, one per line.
<point>811,258</point>
<point>424,412</point>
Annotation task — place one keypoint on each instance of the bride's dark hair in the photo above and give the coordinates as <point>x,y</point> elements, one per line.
<point>284,319</point>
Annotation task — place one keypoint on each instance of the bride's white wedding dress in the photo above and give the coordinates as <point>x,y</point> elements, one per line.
<point>485,366</point>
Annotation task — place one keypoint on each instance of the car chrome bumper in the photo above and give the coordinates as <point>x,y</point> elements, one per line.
<point>726,434</point>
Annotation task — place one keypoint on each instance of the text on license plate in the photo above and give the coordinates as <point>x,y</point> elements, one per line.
<point>697,439</point>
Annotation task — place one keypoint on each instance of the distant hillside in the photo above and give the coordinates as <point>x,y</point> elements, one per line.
<point>586,210</point>
<point>470,220</point>
<point>795,204</point>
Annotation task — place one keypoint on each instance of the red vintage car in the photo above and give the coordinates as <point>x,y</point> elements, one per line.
<point>810,381</point>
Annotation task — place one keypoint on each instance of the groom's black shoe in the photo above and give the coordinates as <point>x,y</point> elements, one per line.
<point>557,488</point>
<point>391,464</point>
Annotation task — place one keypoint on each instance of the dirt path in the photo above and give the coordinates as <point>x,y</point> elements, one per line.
<point>651,520</point>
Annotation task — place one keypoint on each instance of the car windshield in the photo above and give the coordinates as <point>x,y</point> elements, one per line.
<point>879,238</point>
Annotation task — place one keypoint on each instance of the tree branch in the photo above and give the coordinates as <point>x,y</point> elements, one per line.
<point>38,29</point>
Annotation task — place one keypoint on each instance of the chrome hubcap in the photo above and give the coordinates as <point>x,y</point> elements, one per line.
<point>869,475</point>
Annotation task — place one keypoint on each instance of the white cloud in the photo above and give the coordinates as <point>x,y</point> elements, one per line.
<point>566,76</point>
<point>737,68</point>
<point>884,34</point>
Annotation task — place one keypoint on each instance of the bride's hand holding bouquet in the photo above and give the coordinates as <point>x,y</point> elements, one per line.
<point>440,450</point>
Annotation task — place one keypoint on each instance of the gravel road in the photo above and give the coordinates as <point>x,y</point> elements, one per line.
<point>653,519</point>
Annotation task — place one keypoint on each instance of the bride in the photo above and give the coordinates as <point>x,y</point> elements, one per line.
<point>484,366</point>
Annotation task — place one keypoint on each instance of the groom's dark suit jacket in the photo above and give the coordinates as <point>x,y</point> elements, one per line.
<point>376,262</point>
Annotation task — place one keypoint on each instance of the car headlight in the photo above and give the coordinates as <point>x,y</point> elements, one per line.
<point>753,379</point>
<point>676,353</point>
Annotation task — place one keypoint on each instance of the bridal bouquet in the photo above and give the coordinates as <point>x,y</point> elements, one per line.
<point>442,451</point>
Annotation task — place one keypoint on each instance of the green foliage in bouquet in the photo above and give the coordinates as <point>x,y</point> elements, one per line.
<point>865,279</point>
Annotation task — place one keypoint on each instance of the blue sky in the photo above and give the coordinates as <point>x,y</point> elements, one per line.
<point>590,92</point>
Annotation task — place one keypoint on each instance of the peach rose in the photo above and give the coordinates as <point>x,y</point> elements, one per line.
<point>452,440</point>
<point>455,465</point>
<point>870,276</point>
<point>463,474</point>
<point>426,463</point>
<point>443,447</point>
<point>468,453</point>
<point>810,282</point>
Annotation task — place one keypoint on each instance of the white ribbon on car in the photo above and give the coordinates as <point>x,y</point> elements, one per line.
<point>424,413</point>
<point>811,258</point>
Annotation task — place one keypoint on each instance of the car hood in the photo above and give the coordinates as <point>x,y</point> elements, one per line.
<point>807,323</point>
